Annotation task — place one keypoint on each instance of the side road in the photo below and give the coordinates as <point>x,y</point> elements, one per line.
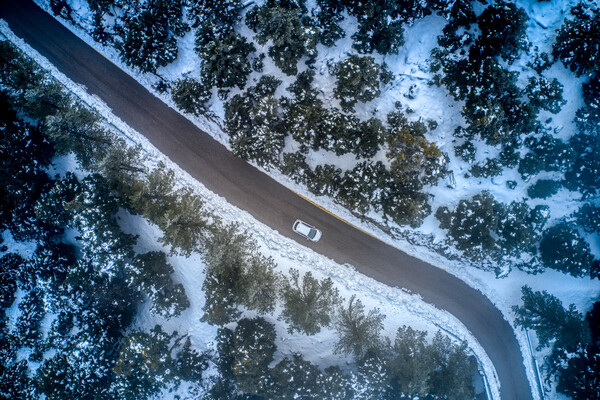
<point>246,187</point>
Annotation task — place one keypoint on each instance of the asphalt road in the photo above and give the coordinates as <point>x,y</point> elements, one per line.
<point>268,201</point>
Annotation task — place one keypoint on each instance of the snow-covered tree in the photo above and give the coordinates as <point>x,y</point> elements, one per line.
<point>236,275</point>
<point>295,378</point>
<point>224,54</point>
<point>191,96</point>
<point>149,37</point>
<point>503,28</point>
<point>281,23</point>
<point>563,329</point>
<point>358,332</point>
<point>564,249</point>
<point>577,40</point>
<point>144,364</point>
<point>363,186</point>
<point>254,122</point>
<point>546,153</point>
<point>473,223</point>
<point>308,305</point>
<point>545,94</point>
<point>150,274</point>
<point>588,217</point>
<point>252,351</point>
<point>358,79</point>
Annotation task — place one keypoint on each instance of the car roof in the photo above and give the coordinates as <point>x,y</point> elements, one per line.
<point>303,227</point>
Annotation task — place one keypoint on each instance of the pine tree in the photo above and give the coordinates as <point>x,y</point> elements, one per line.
<point>291,39</point>
<point>252,351</point>
<point>564,249</point>
<point>308,305</point>
<point>412,365</point>
<point>357,80</point>
<point>588,217</point>
<point>577,38</point>
<point>358,332</point>
<point>295,378</point>
<point>255,124</point>
<point>545,94</point>
<point>503,28</point>
<point>473,224</point>
<point>224,54</point>
<point>453,375</point>
<point>144,363</point>
<point>553,324</point>
<point>149,38</point>
<point>154,194</point>
<point>77,129</point>
<point>150,274</point>
<point>189,364</point>
<point>191,96</point>
<point>520,227</point>
<point>185,225</point>
<point>579,380</point>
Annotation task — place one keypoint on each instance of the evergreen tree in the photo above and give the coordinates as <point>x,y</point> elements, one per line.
<point>472,225</point>
<point>520,226</point>
<point>308,305</point>
<point>77,129</point>
<point>282,23</point>
<point>576,40</point>
<point>224,54</point>
<point>328,14</point>
<point>546,154</point>
<point>372,379</point>
<point>191,96</point>
<point>185,224</point>
<point>357,80</point>
<point>453,375</point>
<point>45,99</point>
<point>412,364</point>
<point>252,351</point>
<point>236,274</point>
<point>545,94</point>
<point>358,332</point>
<point>543,188</point>
<point>25,153</point>
<point>149,38</point>
<point>503,28</point>
<point>189,363</point>
<point>150,274</point>
<point>414,160</point>
<point>144,364</point>
<point>295,378</point>
<point>564,249</point>
<point>588,217</point>
<point>584,172</point>
<point>363,185</point>
<point>154,194</point>
<point>579,380</point>
<point>254,123</point>
<point>18,73</point>
<point>553,324</point>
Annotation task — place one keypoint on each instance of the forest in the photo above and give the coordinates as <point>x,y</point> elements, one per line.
<point>262,66</point>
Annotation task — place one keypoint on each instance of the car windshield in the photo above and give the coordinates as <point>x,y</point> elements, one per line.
<point>312,233</point>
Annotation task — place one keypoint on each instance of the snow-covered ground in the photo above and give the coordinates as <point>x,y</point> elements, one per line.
<point>410,68</point>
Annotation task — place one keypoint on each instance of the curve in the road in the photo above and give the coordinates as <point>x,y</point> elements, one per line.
<point>268,201</point>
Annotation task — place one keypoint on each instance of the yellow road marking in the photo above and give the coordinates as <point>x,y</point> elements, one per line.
<point>335,216</point>
<point>348,223</point>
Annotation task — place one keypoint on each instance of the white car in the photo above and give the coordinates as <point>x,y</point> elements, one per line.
<point>306,230</point>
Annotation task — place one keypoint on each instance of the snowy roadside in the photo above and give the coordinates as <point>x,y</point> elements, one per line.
<point>400,307</point>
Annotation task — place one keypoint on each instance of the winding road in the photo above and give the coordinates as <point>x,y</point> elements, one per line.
<point>268,201</point>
